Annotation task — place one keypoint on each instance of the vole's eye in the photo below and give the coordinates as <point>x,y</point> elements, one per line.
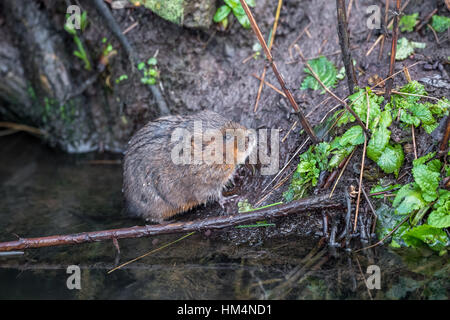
<point>229,136</point>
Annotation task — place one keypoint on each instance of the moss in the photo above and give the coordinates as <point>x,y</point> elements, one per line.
<point>172,10</point>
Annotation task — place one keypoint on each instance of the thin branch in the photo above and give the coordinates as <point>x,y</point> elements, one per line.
<point>274,31</point>
<point>215,223</point>
<point>344,42</point>
<point>361,173</point>
<point>390,82</point>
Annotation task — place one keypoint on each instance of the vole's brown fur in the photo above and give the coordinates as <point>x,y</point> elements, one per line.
<point>155,187</point>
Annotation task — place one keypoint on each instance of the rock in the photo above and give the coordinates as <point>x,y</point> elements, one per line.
<point>187,13</point>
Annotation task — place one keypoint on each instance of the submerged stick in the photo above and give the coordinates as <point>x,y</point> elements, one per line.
<point>305,124</point>
<point>215,223</point>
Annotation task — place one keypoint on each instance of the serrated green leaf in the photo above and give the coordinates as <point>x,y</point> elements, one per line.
<point>435,238</point>
<point>359,105</point>
<point>440,216</point>
<point>405,48</point>
<point>428,181</point>
<point>339,155</point>
<point>408,199</point>
<point>440,23</point>
<point>408,22</point>
<point>325,70</point>
<point>221,13</point>
<point>353,136</point>
<point>378,142</point>
<point>243,20</point>
<point>391,159</point>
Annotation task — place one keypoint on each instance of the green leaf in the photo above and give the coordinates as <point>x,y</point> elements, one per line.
<point>440,216</point>
<point>243,20</point>
<point>339,155</point>
<point>353,136</point>
<point>251,3</point>
<point>359,105</point>
<point>405,48</point>
<point>440,23</point>
<point>222,13</point>
<point>435,238</point>
<point>325,70</point>
<point>378,142</point>
<point>380,188</point>
<point>428,181</point>
<point>440,108</point>
<point>424,159</point>
<point>391,159</point>
<point>408,22</point>
<point>152,61</point>
<point>408,199</point>
<point>153,73</point>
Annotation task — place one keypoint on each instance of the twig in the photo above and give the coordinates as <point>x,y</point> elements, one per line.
<point>387,236</point>
<point>344,42</point>
<point>414,141</point>
<point>150,252</point>
<point>390,82</point>
<point>287,134</point>
<point>427,18</point>
<point>361,173</point>
<point>342,171</point>
<point>358,120</point>
<point>305,124</point>
<point>22,127</point>
<point>365,281</point>
<point>274,31</point>
<point>361,186</point>
<point>215,223</point>
<point>296,39</point>
<point>434,33</point>
<point>269,85</point>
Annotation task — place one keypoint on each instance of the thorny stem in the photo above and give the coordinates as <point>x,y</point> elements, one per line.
<point>305,124</point>
<point>390,82</point>
<point>345,45</point>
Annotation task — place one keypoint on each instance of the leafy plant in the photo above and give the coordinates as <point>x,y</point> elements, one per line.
<point>121,78</point>
<point>416,199</point>
<point>312,162</point>
<point>411,112</point>
<point>440,23</point>
<point>222,13</point>
<point>408,22</point>
<point>405,48</point>
<point>325,70</point>
<point>149,70</point>
<point>80,52</point>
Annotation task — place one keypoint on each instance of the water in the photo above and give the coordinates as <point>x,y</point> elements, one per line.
<point>46,192</point>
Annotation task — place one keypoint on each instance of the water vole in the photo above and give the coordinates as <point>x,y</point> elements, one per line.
<point>178,162</point>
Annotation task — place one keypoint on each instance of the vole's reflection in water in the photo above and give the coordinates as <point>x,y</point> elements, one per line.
<point>44,192</point>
